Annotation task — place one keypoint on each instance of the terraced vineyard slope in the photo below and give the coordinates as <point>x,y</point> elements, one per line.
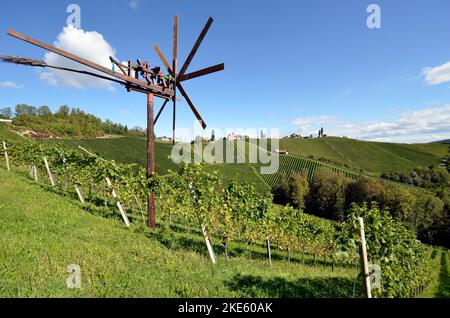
<point>373,157</point>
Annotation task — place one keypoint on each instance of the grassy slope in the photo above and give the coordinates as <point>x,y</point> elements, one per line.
<point>440,287</point>
<point>444,276</point>
<point>6,134</point>
<point>43,233</point>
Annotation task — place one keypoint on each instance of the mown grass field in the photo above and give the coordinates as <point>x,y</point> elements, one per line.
<point>43,233</point>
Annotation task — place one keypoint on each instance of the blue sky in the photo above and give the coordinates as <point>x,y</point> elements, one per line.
<point>293,65</point>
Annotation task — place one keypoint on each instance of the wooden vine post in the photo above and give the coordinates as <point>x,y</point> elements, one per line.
<point>208,244</point>
<point>34,173</point>
<point>80,195</point>
<point>49,173</point>
<point>269,253</point>
<point>6,157</point>
<point>119,205</point>
<point>364,262</point>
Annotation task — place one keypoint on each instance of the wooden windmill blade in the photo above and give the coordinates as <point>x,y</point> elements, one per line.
<point>163,59</point>
<point>202,72</point>
<point>191,105</point>
<point>174,69</point>
<point>180,88</point>
<point>196,46</point>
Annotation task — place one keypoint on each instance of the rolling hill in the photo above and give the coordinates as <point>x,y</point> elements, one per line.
<point>133,150</point>
<point>347,156</point>
<point>372,157</point>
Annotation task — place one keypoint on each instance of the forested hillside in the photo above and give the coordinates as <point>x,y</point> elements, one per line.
<point>68,122</point>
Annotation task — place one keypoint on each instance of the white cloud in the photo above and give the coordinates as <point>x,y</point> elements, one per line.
<point>10,85</point>
<point>423,125</point>
<point>49,77</point>
<point>437,75</point>
<point>416,126</point>
<point>134,4</point>
<point>89,45</point>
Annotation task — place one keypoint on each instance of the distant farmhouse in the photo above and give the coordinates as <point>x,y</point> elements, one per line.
<point>38,135</point>
<point>164,139</point>
<point>232,137</point>
<point>311,136</point>
<point>281,152</point>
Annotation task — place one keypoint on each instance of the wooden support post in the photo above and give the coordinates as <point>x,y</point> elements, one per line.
<point>49,173</point>
<point>150,159</point>
<point>208,244</point>
<point>80,195</point>
<point>6,157</point>
<point>34,173</point>
<point>269,253</point>
<point>364,262</point>
<point>174,70</point>
<point>119,205</point>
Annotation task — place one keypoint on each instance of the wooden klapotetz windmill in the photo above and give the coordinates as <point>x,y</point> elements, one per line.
<point>139,77</point>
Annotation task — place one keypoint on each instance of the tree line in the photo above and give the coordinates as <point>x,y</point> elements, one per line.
<point>431,177</point>
<point>331,195</point>
<point>65,122</point>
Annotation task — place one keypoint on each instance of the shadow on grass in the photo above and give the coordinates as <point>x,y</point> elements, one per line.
<point>444,278</point>
<point>330,287</point>
<point>196,243</point>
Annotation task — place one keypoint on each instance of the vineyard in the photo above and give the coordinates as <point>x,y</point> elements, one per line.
<point>290,164</point>
<point>43,232</point>
<point>372,157</point>
<point>132,150</point>
<point>127,150</point>
<point>194,200</point>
